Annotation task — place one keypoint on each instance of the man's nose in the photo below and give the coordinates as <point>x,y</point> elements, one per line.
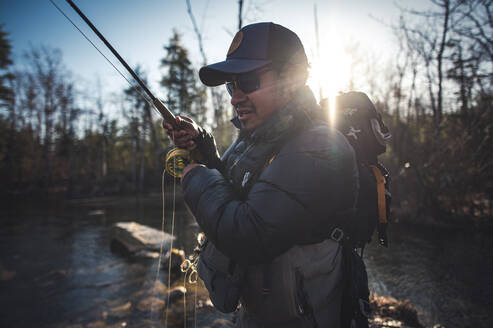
<point>237,97</point>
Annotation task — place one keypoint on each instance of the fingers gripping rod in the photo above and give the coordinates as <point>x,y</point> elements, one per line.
<point>167,115</point>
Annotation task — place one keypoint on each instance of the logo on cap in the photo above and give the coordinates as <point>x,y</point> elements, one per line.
<point>235,43</point>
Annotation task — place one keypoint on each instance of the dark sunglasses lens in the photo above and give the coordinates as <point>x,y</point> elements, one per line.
<point>230,86</point>
<point>246,83</point>
<point>249,83</point>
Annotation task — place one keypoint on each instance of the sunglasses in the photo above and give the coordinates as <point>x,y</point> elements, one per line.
<point>248,82</point>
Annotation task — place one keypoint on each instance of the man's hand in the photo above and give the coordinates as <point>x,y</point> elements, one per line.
<point>195,139</point>
<point>184,134</point>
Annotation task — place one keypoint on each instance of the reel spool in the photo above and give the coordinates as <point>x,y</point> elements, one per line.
<point>176,160</point>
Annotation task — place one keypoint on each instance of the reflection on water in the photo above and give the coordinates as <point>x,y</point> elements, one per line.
<point>63,268</point>
<point>446,273</point>
<point>56,267</point>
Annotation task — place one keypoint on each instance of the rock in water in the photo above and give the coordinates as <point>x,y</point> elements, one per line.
<point>177,257</point>
<point>150,304</point>
<point>121,310</point>
<point>136,237</point>
<point>158,289</point>
<point>175,294</point>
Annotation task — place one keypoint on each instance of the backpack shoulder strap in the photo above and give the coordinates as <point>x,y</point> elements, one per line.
<point>384,198</point>
<point>382,206</point>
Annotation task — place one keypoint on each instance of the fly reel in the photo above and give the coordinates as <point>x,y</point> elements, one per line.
<point>176,160</point>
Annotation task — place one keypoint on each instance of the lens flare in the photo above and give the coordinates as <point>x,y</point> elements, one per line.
<point>330,74</point>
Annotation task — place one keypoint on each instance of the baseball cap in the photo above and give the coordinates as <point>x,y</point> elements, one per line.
<point>253,47</point>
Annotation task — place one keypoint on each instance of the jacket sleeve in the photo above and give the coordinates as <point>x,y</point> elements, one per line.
<point>312,177</point>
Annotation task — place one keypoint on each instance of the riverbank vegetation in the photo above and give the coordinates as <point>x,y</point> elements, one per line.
<point>436,96</point>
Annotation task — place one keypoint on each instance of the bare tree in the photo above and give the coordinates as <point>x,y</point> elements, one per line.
<point>220,125</point>
<point>240,14</point>
<point>49,95</point>
<point>429,41</point>
<point>472,50</point>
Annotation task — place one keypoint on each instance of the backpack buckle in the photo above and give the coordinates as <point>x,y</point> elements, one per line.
<point>337,234</point>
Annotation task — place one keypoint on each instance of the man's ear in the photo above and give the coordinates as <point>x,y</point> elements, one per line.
<point>289,85</point>
<point>293,78</point>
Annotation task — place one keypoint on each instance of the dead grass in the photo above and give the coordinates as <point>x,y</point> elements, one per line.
<point>389,312</point>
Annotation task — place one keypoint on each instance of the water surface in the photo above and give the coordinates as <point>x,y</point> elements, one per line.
<point>57,267</point>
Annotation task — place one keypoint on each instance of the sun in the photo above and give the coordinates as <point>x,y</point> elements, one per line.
<point>330,73</point>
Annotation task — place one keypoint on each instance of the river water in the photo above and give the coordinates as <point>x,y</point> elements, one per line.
<point>57,268</point>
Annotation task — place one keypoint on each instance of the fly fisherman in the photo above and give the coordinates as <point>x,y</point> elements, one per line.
<point>268,205</point>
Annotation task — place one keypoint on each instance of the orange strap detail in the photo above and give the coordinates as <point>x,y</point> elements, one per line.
<point>382,208</point>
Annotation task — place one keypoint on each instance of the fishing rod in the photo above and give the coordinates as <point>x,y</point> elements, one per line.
<point>176,159</point>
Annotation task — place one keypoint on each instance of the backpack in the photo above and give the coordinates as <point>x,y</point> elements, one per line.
<point>356,118</point>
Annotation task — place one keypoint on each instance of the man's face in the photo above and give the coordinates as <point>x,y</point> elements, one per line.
<point>255,108</point>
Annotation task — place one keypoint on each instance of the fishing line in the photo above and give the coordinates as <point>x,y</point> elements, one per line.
<point>185,302</point>
<point>171,245</point>
<point>189,269</point>
<point>107,59</point>
<point>163,198</point>
<point>195,306</point>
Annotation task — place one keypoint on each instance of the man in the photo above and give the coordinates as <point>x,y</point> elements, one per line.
<point>270,203</point>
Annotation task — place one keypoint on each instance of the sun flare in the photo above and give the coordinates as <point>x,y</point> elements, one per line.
<point>330,73</point>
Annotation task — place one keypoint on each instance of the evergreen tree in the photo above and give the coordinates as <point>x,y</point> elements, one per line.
<point>184,96</point>
<point>137,131</point>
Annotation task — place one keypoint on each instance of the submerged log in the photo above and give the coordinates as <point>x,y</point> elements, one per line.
<point>137,238</point>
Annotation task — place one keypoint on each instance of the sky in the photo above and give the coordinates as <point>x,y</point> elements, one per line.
<point>138,30</point>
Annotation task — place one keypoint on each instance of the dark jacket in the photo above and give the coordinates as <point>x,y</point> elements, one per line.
<point>276,187</point>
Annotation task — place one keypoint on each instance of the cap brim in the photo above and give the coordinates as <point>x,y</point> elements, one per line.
<point>218,73</point>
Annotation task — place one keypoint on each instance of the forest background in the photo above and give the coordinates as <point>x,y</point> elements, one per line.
<point>435,94</point>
